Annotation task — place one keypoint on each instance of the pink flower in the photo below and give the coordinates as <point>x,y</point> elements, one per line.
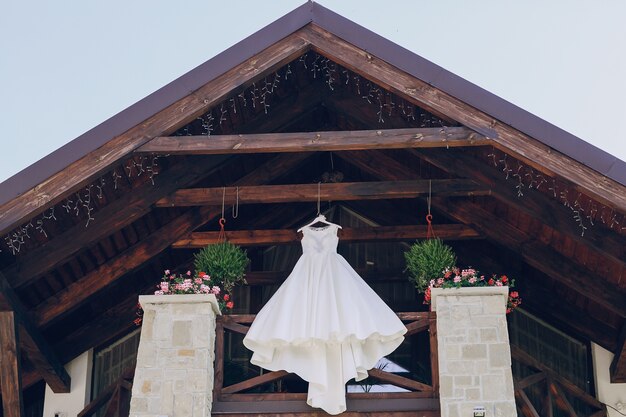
<point>440,281</point>
<point>158,293</point>
<point>206,276</point>
<point>188,273</point>
<point>215,290</point>
<point>165,286</point>
<point>205,288</point>
<point>198,281</point>
<point>167,272</point>
<point>498,284</point>
<point>432,282</point>
<point>472,280</point>
<point>457,279</point>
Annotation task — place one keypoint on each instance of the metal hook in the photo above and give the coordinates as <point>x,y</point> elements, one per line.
<point>319,192</point>
<point>235,210</point>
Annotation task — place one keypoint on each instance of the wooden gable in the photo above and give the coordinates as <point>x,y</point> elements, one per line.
<point>300,100</point>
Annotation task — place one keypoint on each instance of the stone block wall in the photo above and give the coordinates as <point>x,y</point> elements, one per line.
<point>174,373</point>
<point>474,352</point>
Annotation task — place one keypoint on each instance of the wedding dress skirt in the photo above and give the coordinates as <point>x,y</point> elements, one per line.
<point>324,323</point>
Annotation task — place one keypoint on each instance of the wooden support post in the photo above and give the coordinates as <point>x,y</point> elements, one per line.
<point>434,353</point>
<point>38,351</point>
<point>10,371</point>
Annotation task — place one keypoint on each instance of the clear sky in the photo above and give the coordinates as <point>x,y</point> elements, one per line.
<point>68,65</point>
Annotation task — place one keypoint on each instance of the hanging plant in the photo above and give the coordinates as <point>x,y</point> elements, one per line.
<point>224,262</point>
<point>426,260</point>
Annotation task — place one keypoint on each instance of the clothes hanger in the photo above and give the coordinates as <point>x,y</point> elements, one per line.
<point>320,217</point>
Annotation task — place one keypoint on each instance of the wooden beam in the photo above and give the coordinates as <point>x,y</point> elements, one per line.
<point>618,365</point>
<point>534,203</point>
<point>528,149</point>
<point>133,205</point>
<point>435,137</point>
<point>254,382</point>
<point>281,236</point>
<point>10,372</point>
<point>398,380</point>
<point>311,192</point>
<point>136,255</point>
<point>37,350</point>
<point>534,253</point>
<point>369,275</point>
<point>164,122</point>
<point>524,404</point>
<point>538,255</point>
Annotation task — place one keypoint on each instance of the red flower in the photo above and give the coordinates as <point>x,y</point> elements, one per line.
<point>514,294</point>
<point>230,304</point>
<point>226,297</point>
<point>504,279</point>
<point>491,281</point>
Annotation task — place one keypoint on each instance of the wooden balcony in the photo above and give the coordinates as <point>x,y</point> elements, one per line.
<point>240,398</point>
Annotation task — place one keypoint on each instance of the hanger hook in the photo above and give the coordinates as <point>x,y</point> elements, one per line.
<point>319,192</point>
<point>235,211</point>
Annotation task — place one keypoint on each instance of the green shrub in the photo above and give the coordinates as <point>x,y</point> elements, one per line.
<point>224,262</point>
<point>427,260</point>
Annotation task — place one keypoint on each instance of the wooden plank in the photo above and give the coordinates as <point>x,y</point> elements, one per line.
<point>355,407</point>
<point>347,191</point>
<point>291,396</point>
<point>434,353</point>
<point>165,122</point>
<point>618,365</point>
<point>152,245</point>
<point>420,413</point>
<point>133,205</point>
<point>534,203</point>
<point>399,381</point>
<point>286,236</point>
<point>520,355</point>
<point>562,401</point>
<point>417,327</point>
<point>231,325</point>
<point>218,379</point>
<point>530,380</point>
<point>10,368</point>
<point>107,327</point>
<point>315,141</point>
<point>534,253</point>
<point>369,275</point>
<point>538,255</point>
<point>254,382</point>
<point>37,350</point>
<point>529,150</point>
<point>524,404</point>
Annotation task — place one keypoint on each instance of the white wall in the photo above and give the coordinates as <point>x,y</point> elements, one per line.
<point>611,394</point>
<point>72,403</point>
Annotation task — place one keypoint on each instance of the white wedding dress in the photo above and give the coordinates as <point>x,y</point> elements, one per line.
<point>324,323</point>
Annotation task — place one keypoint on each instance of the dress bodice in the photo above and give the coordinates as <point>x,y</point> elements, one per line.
<point>318,240</point>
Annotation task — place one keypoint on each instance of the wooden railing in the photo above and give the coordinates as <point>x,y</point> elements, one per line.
<point>554,388</point>
<point>421,397</point>
<point>114,399</point>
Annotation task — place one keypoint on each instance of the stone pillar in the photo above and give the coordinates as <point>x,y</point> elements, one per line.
<point>174,374</point>
<point>474,351</point>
